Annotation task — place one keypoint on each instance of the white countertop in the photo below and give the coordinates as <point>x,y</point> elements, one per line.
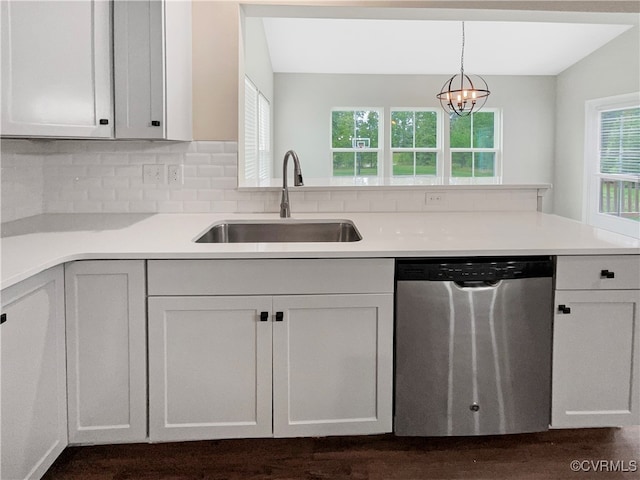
<point>32,245</point>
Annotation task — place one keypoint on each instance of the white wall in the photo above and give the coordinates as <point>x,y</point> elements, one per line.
<point>257,61</point>
<point>612,70</point>
<point>303,104</point>
<point>22,177</point>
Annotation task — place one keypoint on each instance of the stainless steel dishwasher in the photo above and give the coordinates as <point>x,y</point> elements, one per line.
<point>473,346</point>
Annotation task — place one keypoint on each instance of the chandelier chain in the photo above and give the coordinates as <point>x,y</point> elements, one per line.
<point>462,52</point>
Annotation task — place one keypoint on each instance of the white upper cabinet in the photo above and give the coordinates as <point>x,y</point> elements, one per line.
<point>152,69</point>
<point>56,68</point>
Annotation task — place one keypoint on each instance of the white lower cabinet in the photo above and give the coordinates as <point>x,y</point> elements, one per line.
<point>32,350</point>
<point>596,342</point>
<point>332,358</point>
<point>269,365</point>
<point>209,368</point>
<point>106,351</point>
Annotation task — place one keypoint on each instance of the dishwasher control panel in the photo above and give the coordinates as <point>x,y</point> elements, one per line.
<point>472,269</point>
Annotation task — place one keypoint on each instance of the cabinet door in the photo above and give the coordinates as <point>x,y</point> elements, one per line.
<point>34,402</point>
<point>56,68</point>
<point>152,69</point>
<point>595,359</point>
<point>106,351</point>
<point>138,69</point>
<point>209,368</point>
<point>332,365</point>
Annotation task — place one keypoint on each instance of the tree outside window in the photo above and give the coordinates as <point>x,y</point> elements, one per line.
<point>473,145</point>
<point>414,142</point>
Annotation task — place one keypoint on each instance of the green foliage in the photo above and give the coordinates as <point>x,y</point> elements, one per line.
<point>426,163</point>
<point>460,132</point>
<point>482,125</point>
<point>349,124</point>
<point>402,129</point>
<point>426,129</point>
<point>472,164</point>
<point>341,129</point>
<point>413,129</point>
<point>355,163</point>
<point>414,163</point>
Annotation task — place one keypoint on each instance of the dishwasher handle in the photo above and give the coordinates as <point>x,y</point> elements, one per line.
<point>478,283</point>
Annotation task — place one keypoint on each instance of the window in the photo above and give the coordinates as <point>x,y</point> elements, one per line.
<point>414,142</point>
<point>613,164</point>
<point>473,145</point>
<point>420,144</point>
<point>355,142</point>
<point>257,133</point>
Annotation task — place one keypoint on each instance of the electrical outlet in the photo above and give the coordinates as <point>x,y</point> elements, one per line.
<point>435,199</point>
<point>153,174</point>
<point>175,175</point>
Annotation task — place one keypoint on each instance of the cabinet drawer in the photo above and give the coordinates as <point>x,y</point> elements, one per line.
<point>598,272</point>
<point>270,277</point>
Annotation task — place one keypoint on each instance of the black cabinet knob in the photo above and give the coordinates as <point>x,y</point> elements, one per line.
<point>564,309</point>
<point>279,316</point>
<point>3,318</point>
<point>155,123</point>
<point>607,274</point>
<point>104,121</point>
<point>264,316</point>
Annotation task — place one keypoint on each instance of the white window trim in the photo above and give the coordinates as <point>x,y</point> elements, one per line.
<point>591,187</point>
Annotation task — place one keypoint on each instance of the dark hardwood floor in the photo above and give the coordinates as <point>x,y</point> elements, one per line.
<point>536,456</point>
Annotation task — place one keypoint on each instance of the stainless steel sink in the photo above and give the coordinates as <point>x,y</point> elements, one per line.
<point>282,231</point>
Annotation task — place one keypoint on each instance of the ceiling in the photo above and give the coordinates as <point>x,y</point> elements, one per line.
<point>421,46</point>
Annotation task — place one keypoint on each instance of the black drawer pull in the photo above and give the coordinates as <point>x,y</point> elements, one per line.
<point>607,274</point>
<point>264,316</point>
<point>155,123</point>
<point>3,318</point>
<point>104,121</point>
<point>279,316</point>
<point>564,309</point>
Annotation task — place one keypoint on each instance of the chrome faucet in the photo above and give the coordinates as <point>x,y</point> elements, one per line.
<point>285,211</point>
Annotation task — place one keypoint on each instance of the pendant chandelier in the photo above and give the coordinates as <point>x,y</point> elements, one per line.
<point>462,94</point>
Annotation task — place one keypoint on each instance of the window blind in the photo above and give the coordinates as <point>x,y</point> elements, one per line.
<point>250,130</point>
<point>264,138</point>
<point>620,141</point>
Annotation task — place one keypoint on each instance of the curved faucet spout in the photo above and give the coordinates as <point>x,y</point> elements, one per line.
<point>285,210</point>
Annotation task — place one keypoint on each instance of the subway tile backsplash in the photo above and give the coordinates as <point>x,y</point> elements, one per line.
<point>91,176</point>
